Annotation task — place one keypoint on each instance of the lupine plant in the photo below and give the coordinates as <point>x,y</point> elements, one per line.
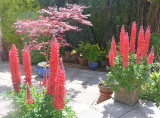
<point>129,69</point>
<point>49,102</point>
<point>55,21</point>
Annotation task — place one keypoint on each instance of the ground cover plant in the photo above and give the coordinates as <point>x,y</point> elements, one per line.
<point>48,102</point>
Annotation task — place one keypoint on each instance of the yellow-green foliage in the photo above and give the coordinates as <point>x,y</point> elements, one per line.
<point>10,11</point>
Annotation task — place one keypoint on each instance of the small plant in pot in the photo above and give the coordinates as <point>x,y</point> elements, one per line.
<point>129,70</point>
<point>54,22</point>
<point>93,55</point>
<point>81,50</point>
<point>105,57</point>
<point>105,91</point>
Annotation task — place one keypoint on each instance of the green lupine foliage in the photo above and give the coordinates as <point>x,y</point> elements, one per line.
<point>131,77</point>
<point>41,108</point>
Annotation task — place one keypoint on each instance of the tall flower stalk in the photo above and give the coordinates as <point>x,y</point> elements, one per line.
<point>45,81</point>
<point>54,64</point>
<point>140,48</point>
<point>29,98</point>
<point>14,68</point>
<point>133,38</point>
<point>151,56</point>
<point>111,57</point>
<point>125,50</point>
<point>113,44</point>
<point>59,98</point>
<point>27,65</point>
<point>122,35</point>
<point>146,42</point>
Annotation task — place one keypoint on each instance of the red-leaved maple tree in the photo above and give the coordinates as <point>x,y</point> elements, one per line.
<point>55,21</point>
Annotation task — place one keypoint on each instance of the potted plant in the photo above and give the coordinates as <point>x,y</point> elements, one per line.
<point>129,71</point>
<point>93,55</point>
<point>82,52</point>
<point>105,91</point>
<point>105,57</point>
<point>53,22</point>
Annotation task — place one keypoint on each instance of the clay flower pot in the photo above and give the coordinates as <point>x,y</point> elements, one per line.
<point>126,97</point>
<point>104,63</point>
<point>105,93</point>
<point>82,62</point>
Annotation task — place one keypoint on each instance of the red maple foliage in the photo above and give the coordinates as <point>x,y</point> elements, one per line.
<point>29,98</point>
<point>140,48</point>
<point>54,64</point>
<point>14,68</point>
<point>114,46</point>
<point>133,38</point>
<point>122,35</point>
<point>151,56</point>
<point>59,98</point>
<point>125,50</point>
<point>27,65</point>
<point>53,22</point>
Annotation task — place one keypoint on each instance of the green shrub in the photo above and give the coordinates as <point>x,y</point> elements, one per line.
<point>152,88</point>
<point>155,41</point>
<point>10,11</point>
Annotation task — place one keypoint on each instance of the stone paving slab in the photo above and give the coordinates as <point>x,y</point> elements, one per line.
<point>142,109</point>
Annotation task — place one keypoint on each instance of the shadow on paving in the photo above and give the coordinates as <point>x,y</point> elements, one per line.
<point>4,88</point>
<point>119,110</point>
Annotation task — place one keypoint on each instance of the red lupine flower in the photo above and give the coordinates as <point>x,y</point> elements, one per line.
<point>29,98</point>
<point>59,98</point>
<point>146,42</point>
<point>27,65</point>
<point>54,64</point>
<point>14,68</point>
<point>151,56</point>
<point>45,81</point>
<point>140,49</point>
<point>114,46</point>
<point>111,57</point>
<point>122,35</point>
<point>125,51</point>
<point>133,38</point>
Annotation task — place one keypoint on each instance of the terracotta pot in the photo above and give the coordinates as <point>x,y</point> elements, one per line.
<point>74,58</point>
<point>67,56</point>
<point>105,93</point>
<point>126,97</point>
<point>82,62</point>
<point>104,63</point>
<point>67,53</point>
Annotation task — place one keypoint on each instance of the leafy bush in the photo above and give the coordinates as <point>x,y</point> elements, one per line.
<point>151,90</point>
<point>41,108</point>
<point>10,11</point>
<point>155,41</point>
<point>92,52</point>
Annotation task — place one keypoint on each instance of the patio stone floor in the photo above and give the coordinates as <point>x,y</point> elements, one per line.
<point>81,87</point>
